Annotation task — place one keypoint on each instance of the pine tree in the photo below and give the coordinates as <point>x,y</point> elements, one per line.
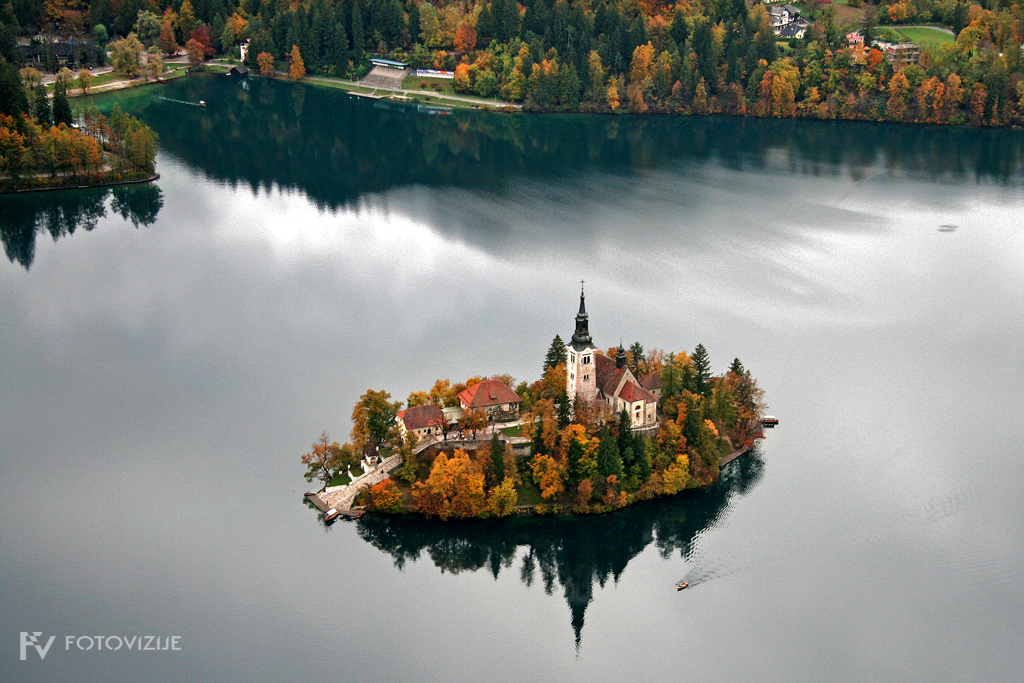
<point>357,30</point>
<point>556,353</point>
<point>564,410</point>
<point>497,460</point>
<point>608,460</point>
<point>42,108</point>
<point>636,351</point>
<point>702,369</point>
<point>61,107</point>
<point>737,367</point>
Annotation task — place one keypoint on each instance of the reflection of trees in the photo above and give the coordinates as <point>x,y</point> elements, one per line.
<point>337,149</point>
<point>61,213</point>
<point>571,552</point>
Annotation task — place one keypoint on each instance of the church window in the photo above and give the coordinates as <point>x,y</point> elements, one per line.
<point>586,377</point>
<point>586,360</point>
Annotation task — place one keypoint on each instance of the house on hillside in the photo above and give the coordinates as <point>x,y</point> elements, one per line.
<point>494,397</point>
<point>594,377</point>
<point>425,420</point>
<point>782,16</point>
<point>900,54</point>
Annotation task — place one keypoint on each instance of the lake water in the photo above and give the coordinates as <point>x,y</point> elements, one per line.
<point>169,351</point>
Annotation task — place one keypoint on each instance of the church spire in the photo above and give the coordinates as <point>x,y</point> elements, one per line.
<point>620,357</point>
<point>582,334</point>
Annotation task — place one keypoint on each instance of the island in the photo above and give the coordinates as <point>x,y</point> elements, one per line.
<point>598,431</point>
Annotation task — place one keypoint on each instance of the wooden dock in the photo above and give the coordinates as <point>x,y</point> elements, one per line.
<point>372,96</point>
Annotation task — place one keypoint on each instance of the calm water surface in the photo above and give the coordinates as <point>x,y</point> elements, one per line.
<point>169,351</point>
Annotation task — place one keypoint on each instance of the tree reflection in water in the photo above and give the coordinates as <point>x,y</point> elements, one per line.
<point>61,213</point>
<point>573,552</point>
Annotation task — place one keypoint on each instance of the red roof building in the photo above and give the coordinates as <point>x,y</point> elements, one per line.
<point>491,395</point>
<point>423,420</point>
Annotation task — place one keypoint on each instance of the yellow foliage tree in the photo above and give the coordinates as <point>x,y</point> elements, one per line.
<point>455,487</point>
<point>503,499</point>
<point>550,476</point>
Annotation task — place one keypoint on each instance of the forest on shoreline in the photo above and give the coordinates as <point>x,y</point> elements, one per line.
<point>583,458</point>
<point>639,56</point>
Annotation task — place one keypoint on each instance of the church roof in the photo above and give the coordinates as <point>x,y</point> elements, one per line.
<point>651,381</point>
<point>632,392</point>
<point>421,416</point>
<point>608,375</point>
<point>490,392</point>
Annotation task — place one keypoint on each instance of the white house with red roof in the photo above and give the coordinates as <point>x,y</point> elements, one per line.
<point>594,377</point>
<point>424,420</point>
<point>493,396</point>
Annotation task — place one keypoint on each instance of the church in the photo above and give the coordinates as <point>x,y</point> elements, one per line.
<point>594,377</point>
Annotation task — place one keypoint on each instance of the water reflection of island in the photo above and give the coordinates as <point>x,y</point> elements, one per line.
<point>572,551</point>
<point>60,213</point>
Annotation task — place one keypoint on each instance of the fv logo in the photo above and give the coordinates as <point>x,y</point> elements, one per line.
<point>33,640</point>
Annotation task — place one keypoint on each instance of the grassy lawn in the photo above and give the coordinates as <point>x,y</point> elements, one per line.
<point>927,37</point>
<point>435,86</point>
<point>516,430</point>
<point>340,480</point>
<point>530,495</point>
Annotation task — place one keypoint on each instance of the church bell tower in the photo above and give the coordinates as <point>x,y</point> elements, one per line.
<point>580,372</point>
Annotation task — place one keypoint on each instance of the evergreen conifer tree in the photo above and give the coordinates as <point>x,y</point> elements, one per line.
<point>702,370</point>
<point>61,107</point>
<point>608,460</point>
<point>497,460</point>
<point>556,353</point>
<point>564,410</point>
<point>42,107</point>
<point>737,367</point>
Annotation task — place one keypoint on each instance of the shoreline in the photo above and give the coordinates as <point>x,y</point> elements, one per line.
<point>114,183</point>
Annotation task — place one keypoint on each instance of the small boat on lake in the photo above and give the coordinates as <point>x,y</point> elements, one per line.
<point>680,586</point>
<point>330,514</point>
<point>769,420</point>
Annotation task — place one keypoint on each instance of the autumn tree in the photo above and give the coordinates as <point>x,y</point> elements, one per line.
<point>167,42</point>
<point>549,475</point>
<point>196,53</point>
<point>502,499</point>
<point>417,398</point>
<point>465,38</point>
<point>386,497</point>
<point>408,470</point>
<point>126,55</point>
<point>473,421</point>
<point>899,94</point>
<point>296,66</point>
<point>265,60</point>
<point>455,487</point>
<point>373,418</point>
<point>323,461</point>
<point>85,78</point>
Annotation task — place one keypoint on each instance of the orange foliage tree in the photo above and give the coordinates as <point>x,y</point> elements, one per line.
<point>455,487</point>
<point>465,38</point>
<point>265,60</point>
<point>296,66</point>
